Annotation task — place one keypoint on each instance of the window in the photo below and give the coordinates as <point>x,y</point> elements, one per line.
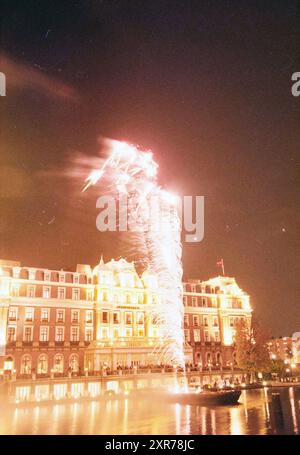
<point>31,274</point>
<point>74,334</point>
<point>45,315</point>
<point>186,320</point>
<point>30,291</point>
<point>231,322</point>
<point>128,318</point>
<point>197,335</point>
<point>15,290</point>
<point>128,332</point>
<point>116,333</point>
<point>194,301</point>
<point>217,337</point>
<point>74,363</point>
<point>75,294</point>
<point>44,334</point>
<point>127,298</point>
<point>193,288</point>
<point>204,302</point>
<point>76,278</point>
<point>141,332</point>
<point>89,316</point>
<point>187,335</point>
<point>61,277</point>
<point>216,322</point>
<point>206,336</point>
<point>42,366</point>
<point>29,314</point>
<point>104,333</point>
<point>89,294</point>
<point>46,292</point>
<point>60,315</point>
<point>47,276</point>
<point>12,313</point>
<point>75,316</point>
<point>26,364</point>
<point>16,272</point>
<point>195,320</point>
<point>11,333</point>
<point>59,363</point>
<point>59,334</point>
<point>88,334</point>
<point>184,300</point>
<point>116,317</point>
<point>140,318</point>
<point>205,321</point>
<point>61,293</point>
<point>105,317</point>
<point>27,335</point>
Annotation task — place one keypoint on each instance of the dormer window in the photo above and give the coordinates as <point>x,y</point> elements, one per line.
<point>46,275</point>
<point>61,277</point>
<point>31,274</point>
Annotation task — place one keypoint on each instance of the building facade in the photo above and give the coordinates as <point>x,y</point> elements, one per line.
<point>56,322</point>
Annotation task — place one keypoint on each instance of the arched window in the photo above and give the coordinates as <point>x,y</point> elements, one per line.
<point>42,366</point>
<point>58,363</point>
<point>234,358</point>
<point>208,358</point>
<point>26,364</point>
<point>219,359</point>
<point>74,363</point>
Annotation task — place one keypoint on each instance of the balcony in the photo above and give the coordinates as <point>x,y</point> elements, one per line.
<point>74,342</point>
<point>59,343</point>
<point>44,343</point>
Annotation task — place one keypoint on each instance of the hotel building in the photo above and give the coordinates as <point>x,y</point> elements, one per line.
<point>56,322</point>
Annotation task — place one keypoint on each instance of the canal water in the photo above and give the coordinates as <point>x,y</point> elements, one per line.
<point>128,416</point>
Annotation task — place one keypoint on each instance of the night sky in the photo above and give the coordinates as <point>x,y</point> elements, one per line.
<point>205,84</point>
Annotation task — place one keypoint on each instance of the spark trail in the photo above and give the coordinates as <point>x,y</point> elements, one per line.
<point>132,174</point>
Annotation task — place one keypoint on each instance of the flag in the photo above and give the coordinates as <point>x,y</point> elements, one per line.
<point>220,263</point>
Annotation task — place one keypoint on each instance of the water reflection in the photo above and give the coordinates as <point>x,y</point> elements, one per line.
<point>131,416</point>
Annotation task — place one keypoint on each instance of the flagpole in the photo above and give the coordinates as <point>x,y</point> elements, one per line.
<point>223,268</point>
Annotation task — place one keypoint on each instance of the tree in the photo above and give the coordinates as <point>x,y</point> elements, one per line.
<point>252,353</point>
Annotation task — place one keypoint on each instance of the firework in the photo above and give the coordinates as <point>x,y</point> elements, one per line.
<point>133,173</point>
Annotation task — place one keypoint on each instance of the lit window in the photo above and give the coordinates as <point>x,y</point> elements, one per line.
<point>75,316</point>
<point>205,321</point>
<point>30,291</point>
<point>31,274</point>
<point>88,334</point>
<point>75,294</point>
<point>140,318</point>
<point>46,276</point>
<point>216,322</point>
<point>195,320</point>
<point>61,277</point>
<point>59,334</point>
<point>206,336</point>
<point>187,335</point>
<point>12,313</point>
<point>128,318</point>
<point>15,290</point>
<point>197,335</point>
<point>194,301</point>
<point>116,317</point>
<point>74,334</point>
<point>76,278</point>
<point>45,314</point>
<point>105,317</point>
<point>217,337</point>
<point>204,302</point>
<point>16,272</point>
<point>27,335</point>
<point>46,292</point>
<point>61,293</point>
<point>11,334</point>
<point>60,316</point>
<point>29,314</point>
<point>44,334</point>
<point>89,317</point>
<point>89,294</point>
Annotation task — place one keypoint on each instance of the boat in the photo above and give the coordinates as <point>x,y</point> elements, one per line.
<point>214,398</point>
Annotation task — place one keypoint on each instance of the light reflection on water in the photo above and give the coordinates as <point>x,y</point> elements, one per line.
<point>131,416</point>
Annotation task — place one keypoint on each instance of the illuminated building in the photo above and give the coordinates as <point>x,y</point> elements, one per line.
<point>286,349</point>
<point>56,322</point>
<point>212,309</point>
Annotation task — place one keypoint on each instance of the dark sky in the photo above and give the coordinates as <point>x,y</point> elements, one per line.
<point>205,84</point>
